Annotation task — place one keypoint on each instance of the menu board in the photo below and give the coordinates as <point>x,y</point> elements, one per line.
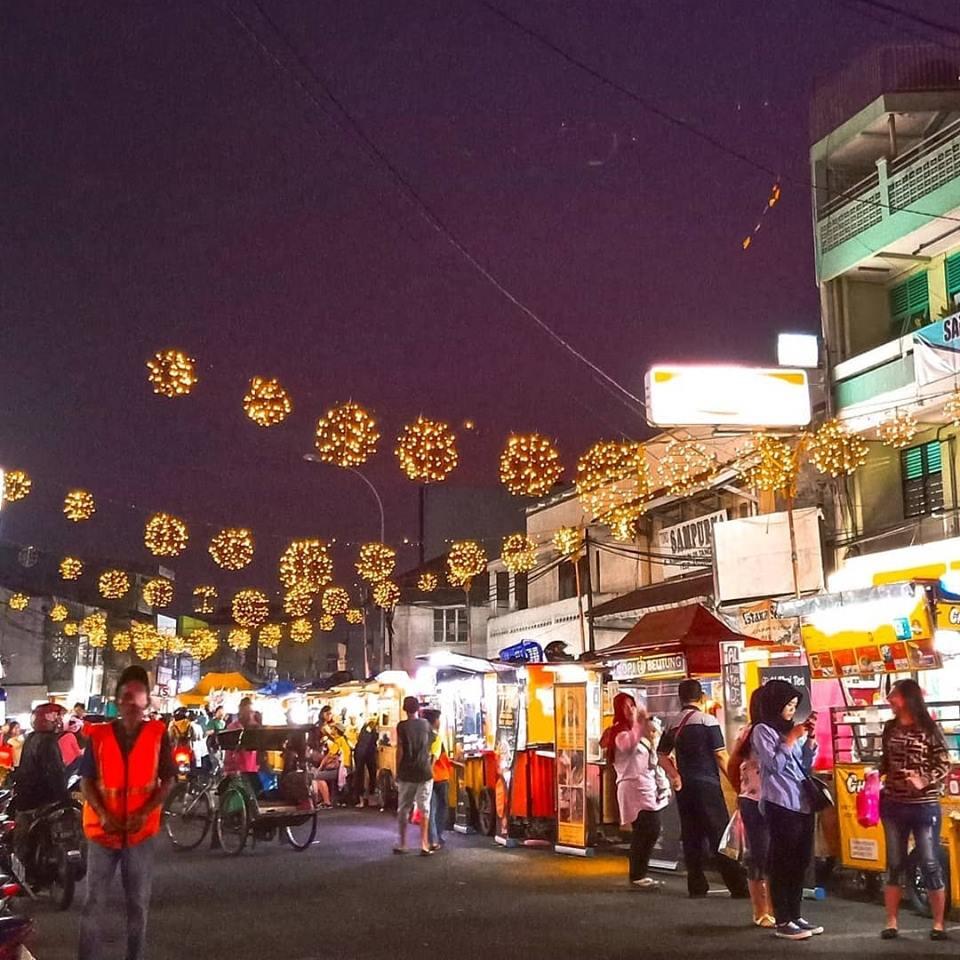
<point>570,706</point>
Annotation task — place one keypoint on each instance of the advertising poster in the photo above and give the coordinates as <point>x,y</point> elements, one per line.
<point>863,848</point>
<point>508,701</point>
<point>798,677</point>
<point>570,704</point>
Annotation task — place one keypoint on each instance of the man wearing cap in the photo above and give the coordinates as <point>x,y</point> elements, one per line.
<point>127,772</point>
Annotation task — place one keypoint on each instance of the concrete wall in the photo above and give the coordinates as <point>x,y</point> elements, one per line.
<point>21,654</point>
<point>413,635</point>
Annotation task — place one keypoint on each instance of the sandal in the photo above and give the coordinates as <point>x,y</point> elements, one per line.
<point>766,922</point>
<point>939,935</point>
<point>890,933</point>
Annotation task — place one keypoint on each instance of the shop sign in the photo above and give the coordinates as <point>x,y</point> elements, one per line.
<point>508,716</point>
<point>688,542</point>
<point>673,664</point>
<point>862,847</point>
<point>570,710</point>
<point>760,622</point>
<point>948,615</point>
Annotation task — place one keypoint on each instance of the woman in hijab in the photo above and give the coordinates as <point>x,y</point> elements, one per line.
<point>785,752</point>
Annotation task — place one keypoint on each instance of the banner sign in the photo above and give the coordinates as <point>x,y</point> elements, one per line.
<point>668,665</point>
<point>570,711</point>
<point>688,542</point>
<point>936,351</point>
<point>760,622</point>
<point>508,717</point>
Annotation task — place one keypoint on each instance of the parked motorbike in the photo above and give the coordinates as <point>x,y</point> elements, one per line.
<point>14,932</point>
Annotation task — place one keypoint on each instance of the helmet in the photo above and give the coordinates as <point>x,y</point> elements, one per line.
<point>180,713</point>
<point>47,717</point>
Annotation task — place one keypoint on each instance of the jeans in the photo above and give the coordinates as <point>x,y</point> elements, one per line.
<point>646,830</point>
<point>703,818</point>
<point>439,805</point>
<point>136,876</point>
<point>791,850</point>
<point>923,821</point>
<point>757,836</point>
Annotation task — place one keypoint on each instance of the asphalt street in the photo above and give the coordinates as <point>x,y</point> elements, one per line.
<point>350,898</point>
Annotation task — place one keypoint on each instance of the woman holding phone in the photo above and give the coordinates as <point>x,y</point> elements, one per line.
<point>785,750</point>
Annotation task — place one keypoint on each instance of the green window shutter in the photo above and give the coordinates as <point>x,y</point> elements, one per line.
<point>934,463</point>
<point>899,300</point>
<point>953,274</point>
<point>912,461</point>
<point>918,294</point>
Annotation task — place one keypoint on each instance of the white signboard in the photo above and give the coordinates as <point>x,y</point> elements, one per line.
<point>688,542</point>
<point>671,663</point>
<point>727,396</point>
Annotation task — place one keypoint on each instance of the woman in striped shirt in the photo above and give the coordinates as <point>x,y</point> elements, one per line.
<point>914,766</point>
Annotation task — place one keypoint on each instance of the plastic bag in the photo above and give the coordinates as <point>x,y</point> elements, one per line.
<point>868,801</point>
<point>733,842</point>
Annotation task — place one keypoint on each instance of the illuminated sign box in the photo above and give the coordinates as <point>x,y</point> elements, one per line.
<point>727,397</point>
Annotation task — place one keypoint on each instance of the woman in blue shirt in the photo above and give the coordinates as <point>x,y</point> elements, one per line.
<point>785,752</point>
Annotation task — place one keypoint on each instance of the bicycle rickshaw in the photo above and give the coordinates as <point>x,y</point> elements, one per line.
<point>236,806</point>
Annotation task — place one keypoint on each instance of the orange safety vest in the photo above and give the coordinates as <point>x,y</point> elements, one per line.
<point>125,783</point>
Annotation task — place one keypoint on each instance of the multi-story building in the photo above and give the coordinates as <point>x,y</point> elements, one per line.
<point>886,201</point>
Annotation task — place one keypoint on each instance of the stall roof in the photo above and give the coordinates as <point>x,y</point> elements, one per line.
<point>692,630</point>
<point>658,595</point>
<point>450,660</point>
<point>215,681</point>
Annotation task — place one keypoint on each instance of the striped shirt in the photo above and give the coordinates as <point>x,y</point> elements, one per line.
<point>909,751</point>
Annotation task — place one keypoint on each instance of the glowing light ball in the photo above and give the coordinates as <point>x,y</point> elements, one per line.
<point>899,430</point>
<point>467,559</point>
<point>301,630</point>
<point>121,641</point>
<point>232,548</point>
<point>266,403</point>
<point>165,535</point>
<point>71,628</point>
<point>204,598</point>
<point>250,608</point>
<point>59,613</point>
<point>568,541</point>
<point>16,485</point>
<point>336,601</point>
<point>347,436</point>
<point>306,561</point>
<point>19,601</point>
<point>427,451</point>
<point>202,644</point>
<point>158,593</point>
<point>518,553</point>
<point>686,467</point>
<point>269,636</point>
<point>836,451</point>
<point>327,623</point>
<point>298,600</point>
<point>427,582</point>
<point>70,568</point>
<point>239,639</point>
<point>113,584</point>
<point>622,522</point>
<point>79,505</point>
<point>147,641</point>
<point>775,468</point>
<point>172,373</point>
<point>354,615</point>
<point>530,465</point>
<point>386,594</point>
<point>94,628</point>
<point>612,473</point>
<point>376,562</point>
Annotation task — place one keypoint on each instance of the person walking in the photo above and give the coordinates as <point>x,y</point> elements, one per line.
<point>914,765</point>
<point>414,774</point>
<point>744,771</point>
<point>785,751</point>
<point>442,772</point>
<point>127,772</point>
<point>642,789</point>
<point>692,753</point>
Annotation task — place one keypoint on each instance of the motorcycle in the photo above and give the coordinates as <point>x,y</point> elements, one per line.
<point>14,932</point>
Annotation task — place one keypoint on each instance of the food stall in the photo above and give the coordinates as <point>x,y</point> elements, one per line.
<point>218,690</point>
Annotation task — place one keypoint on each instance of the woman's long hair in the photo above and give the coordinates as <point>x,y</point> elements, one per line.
<point>621,723</point>
<point>917,707</point>
<point>755,718</point>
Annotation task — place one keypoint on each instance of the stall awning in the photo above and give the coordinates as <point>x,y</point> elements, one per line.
<point>692,632</point>
<point>214,681</point>
<point>658,595</point>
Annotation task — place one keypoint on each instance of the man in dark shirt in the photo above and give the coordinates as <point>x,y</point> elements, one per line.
<point>41,778</point>
<point>693,756</point>
<point>414,774</point>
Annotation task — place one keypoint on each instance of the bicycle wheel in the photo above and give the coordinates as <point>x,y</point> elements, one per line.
<point>233,822</point>
<point>187,816</point>
<point>302,833</point>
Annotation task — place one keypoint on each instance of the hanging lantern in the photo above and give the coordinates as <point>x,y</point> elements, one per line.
<point>121,641</point>
<point>239,639</point>
<point>113,584</point>
<point>266,403</point>
<point>612,473</point>
<point>427,582</point>
<point>71,628</point>
<point>59,613</point>
<point>622,521</point>
<point>204,599</point>
<point>376,562</point>
<point>386,594</point>
<point>686,467</point>
<point>427,450</point>
<point>354,615</point>
<point>467,559</point>
<point>250,608</point>
<point>202,644</point>
<point>94,628</point>
<point>306,561</point>
<point>518,553</point>
<point>530,465</point>
<point>176,644</point>
<point>147,641</point>
<point>16,485</point>
<point>269,636</point>
<point>19,601</point>
<point>165,535</point>
<point>836,451</point>
<point>172,373</point>
<point>79,505</point>
<point>298,600</point>
<point>70,568</point>
<point>774,467</point>
<point>568,542</point>
<point>951,408</point>
<point>335,602</point>
<point>347,436</point>
<point>301,630</point>
<point>232,548</point>
<point>158,593</point>
<point>899,430</point>
<point>327,623</point>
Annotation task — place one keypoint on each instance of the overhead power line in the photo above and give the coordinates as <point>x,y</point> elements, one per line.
<point>911,16</point>
<point>375,153</point>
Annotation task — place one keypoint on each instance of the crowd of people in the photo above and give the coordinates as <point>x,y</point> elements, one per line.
<point>770,767</point>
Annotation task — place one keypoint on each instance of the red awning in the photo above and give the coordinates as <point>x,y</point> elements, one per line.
<point>692,630</point>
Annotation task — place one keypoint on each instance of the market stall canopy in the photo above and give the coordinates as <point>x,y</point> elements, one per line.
<point>279,688</point>
<point>199,694</point>
<point>689,587</point>
<point>687,639</point>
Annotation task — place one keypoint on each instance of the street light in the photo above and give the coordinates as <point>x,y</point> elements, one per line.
<point>313,458</point>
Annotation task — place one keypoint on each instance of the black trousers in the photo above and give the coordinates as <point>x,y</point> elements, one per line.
<point>791,850</point>
<point>703,818</point>
<point>364,770</point>
<point>646,830</point>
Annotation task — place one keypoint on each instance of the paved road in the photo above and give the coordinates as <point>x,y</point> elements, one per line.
<point>348,898</point>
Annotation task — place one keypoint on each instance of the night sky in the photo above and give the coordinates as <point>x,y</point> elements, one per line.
<point>165,184</point>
